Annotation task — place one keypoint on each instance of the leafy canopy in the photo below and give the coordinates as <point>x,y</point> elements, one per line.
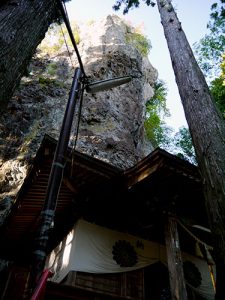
<point>140,42</point>
<point>130,4</point>
<point>156,130</point>
<point>183,142</point>
<point>211,47</point>
<point>217,89</point>
<point>57,37</point>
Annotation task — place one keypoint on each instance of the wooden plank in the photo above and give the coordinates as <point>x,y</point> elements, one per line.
<point>174,259</point>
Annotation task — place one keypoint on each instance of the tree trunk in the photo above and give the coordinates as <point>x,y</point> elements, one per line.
<point>174,261</point>
<point>207,130</point>
<point>23,24</point>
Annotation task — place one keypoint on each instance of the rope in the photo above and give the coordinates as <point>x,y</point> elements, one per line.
<point>65,16</point>
<point>77,130</point>
<point>68,26</point>
<point>67,47</point>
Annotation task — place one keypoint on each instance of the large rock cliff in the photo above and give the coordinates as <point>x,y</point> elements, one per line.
<point>111,123</point>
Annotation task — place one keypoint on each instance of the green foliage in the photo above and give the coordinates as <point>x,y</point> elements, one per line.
<point>217,89</point>
<point>211,57</point>
<point>128,4</point>
<point>211,47</point>
<point>90,22</point>
<point>156,130</point>
<point>153,129</point>
<point>76,35</point>
<point>52,69</point>
<point>139,41</point>
<point>46,81</point>
<point>159,133</point>
<point>183,142</point>
<point>158,101</point>
<point>29,137</point>
<point>57,38</point>
<point>223,68</point>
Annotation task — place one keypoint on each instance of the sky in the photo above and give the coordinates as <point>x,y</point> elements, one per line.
<point>193,15</point>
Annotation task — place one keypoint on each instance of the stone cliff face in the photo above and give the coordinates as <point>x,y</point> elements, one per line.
<point>114,118</point>
<point>111,125</point>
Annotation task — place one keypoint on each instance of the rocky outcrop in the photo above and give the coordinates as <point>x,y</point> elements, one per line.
<point>111,123</point>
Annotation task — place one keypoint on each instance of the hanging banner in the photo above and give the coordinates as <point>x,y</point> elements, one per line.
<point>95,249</point>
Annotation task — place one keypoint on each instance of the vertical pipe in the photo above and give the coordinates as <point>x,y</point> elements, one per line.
<point>40,289</point>
<point>54,183</point>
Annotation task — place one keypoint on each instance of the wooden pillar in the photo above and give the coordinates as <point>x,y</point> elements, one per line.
<point>174,259</point>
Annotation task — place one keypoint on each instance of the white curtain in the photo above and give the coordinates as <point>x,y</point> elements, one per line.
<point>88,248</point>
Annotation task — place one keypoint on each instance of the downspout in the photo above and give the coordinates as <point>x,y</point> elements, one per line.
<point>54,183</point>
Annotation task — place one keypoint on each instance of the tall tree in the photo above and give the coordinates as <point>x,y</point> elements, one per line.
<point>23,24</point>
<point>206,126</point>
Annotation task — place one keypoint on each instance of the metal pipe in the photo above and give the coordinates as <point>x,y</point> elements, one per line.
<point>54,182</point>
<point>40,289</point>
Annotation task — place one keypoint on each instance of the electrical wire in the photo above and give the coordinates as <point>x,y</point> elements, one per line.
<point>65,16</point>
<point>67,47</point>
<point>76,130</point>
<point>68,26</point>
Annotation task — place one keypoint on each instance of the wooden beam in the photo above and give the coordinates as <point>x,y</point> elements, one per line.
<point>69,184</point>
<point>174,259</point>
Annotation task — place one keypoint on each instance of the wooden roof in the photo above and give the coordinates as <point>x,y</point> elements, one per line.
<point>133,200</point>
<point>86,174</point>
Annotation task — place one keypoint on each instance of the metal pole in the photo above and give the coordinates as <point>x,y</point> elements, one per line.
<point>54,183</point>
